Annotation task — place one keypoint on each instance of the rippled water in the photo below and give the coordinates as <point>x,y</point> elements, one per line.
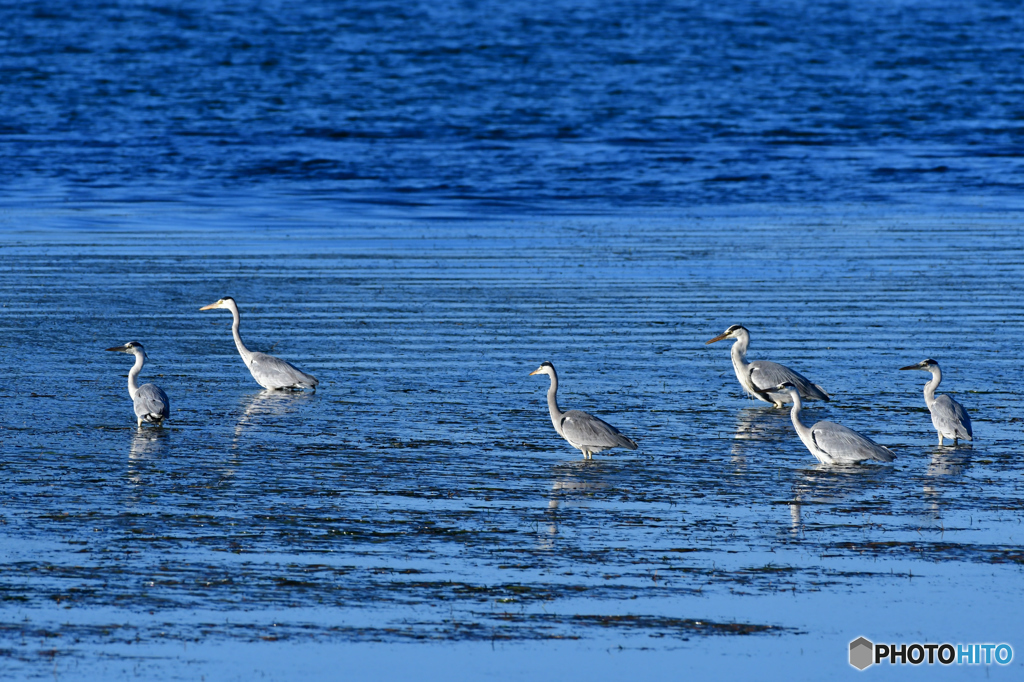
<point>516,103</point>
<point>419,203</point>
<point>421,493</point>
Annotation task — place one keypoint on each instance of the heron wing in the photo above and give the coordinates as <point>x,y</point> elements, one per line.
<point>151,400</point>
<point>271,372</point>
<point>580,428</point>
<point>950,417</point>
<point>846,445</point>
<point>766,375</point>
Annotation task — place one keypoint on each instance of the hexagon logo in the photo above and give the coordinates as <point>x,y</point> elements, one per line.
<point>862,653</point>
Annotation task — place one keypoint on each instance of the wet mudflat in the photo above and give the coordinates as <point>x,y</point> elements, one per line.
<point>420,501</point>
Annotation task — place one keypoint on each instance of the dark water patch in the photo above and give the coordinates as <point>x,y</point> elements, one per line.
<point>585,106</point>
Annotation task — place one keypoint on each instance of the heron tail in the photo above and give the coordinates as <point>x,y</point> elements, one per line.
<point>885,455</point>
<point>823,394</point>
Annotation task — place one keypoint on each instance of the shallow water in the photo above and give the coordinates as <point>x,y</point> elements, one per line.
<point>421,494</point>
<point>419,203</point>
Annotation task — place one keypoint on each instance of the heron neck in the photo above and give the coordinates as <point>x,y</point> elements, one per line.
<point>236,320</point>
<point>933,383</point>
<point>801,430</point>
<point>739,353</point>
<point>742,367</point>
<point>556,414</point>
<point>133,374</point>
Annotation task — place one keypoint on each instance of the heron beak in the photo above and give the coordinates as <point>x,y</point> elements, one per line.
<point>910,367</point>
<point>210,307</point>
<point>536,371</point>
<point>717,338</point>
<point>119,349</point>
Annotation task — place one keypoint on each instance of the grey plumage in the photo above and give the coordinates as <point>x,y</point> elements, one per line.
<point>272,372</point>
<point>831,443</point>
<point>760,377</point>
<point>268,371</point>
<point>949,417</point>
<point>842,444</point>
<point>149,401</point>
<point>583,431</point>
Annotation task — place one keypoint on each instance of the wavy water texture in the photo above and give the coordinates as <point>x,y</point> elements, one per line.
<point>421,494</point>
<point>517,103</point>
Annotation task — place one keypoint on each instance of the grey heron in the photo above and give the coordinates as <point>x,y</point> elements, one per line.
<point>831,443</point>
<point>151,403</point>
<point>585,432</point>
<point>268,371</point>
<point>948,416</point>
<point>759,377</point>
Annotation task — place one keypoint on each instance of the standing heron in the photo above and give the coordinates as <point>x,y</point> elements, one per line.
<point>151,403</point>
<point>831,443</point>
<point>948,416</point>
<point>268,371</point>
<point>759,377</point>
<point>586,433</point>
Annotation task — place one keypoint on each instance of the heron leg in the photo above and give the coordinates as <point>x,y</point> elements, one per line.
<point>940,438</point>
<point>140,422</point>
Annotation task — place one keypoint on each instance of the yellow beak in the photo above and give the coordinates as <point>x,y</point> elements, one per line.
<point>717,338</point>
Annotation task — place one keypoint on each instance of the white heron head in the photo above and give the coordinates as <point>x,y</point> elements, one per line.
<point>226,302</point>
<point>132,348</point>
<point>545,368</point>
<point>733,332</point>
<point>925,365</point>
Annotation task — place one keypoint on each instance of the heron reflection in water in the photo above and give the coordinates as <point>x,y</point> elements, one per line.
<point>586,433</point>
<point>147,444</point>
<point>268,371</point>
<point>755,427</point>
<point>945,465</point>
<point>818,485</point>
<point>574,482</point>
<point>575,477</point>
<point>269,403</point>
<point>760,377</point>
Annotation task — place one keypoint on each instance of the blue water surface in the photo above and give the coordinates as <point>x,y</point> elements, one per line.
<point>419,203</point>
<point>515,104</point>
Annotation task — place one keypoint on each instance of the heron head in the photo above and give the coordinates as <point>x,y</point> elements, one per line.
<point>225,302</point>
<point>132,347</point>
<point>545,368</point>
<point>731,333</point>
<point>925,365</point>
